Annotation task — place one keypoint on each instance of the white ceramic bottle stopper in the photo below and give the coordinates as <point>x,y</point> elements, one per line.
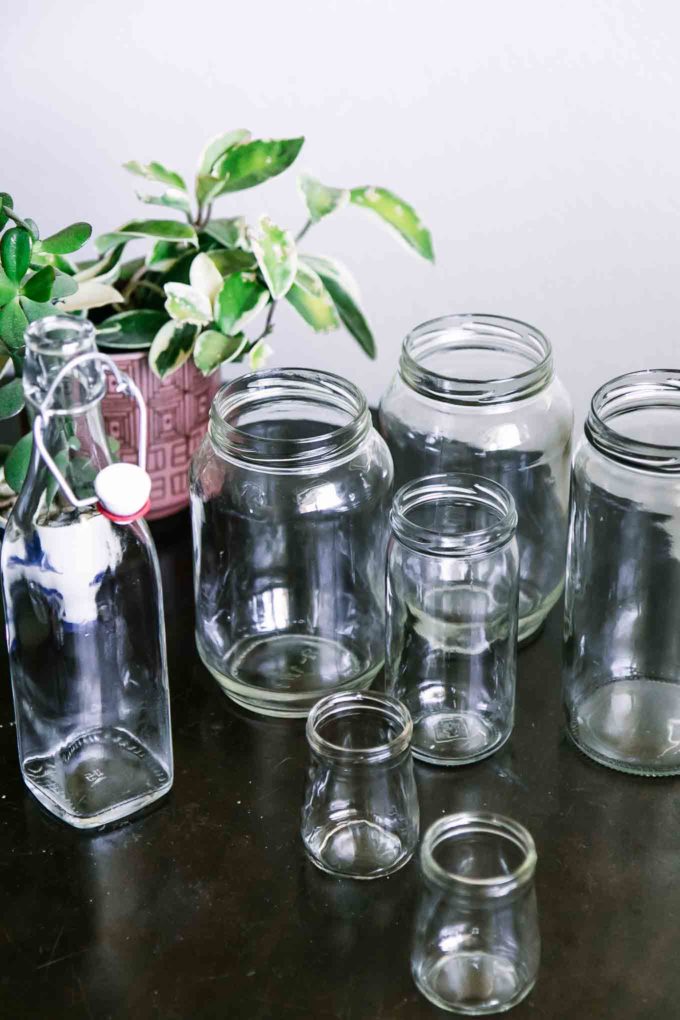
<point>123,491</point>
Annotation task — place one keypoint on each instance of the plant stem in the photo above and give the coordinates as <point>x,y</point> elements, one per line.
<point>17,219</point>
<point>304,230</point>
<point>268,324</point>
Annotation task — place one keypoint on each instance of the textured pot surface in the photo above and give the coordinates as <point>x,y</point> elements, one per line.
<point>178,419</point>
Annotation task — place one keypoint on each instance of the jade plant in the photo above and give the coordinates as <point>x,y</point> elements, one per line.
<point>36,279</point>
<point>205,278</point>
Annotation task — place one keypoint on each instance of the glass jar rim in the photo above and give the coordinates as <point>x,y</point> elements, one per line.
<point>336,705</point>
<point>459,487</point>
<point>479,822</point>
<point>274,453</point>
<point>627,393</point>
<point>477,330</point>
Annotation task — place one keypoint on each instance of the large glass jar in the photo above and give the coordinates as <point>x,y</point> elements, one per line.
<point>622,602</point>
<point>290,493</point>
<point>477,393</point>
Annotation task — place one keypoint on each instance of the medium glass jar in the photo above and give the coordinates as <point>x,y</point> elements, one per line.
<point>451,648</point>
<point>477,945</point>
<point>622,602</point>
<point>290,493</point>
<point>477,393</point>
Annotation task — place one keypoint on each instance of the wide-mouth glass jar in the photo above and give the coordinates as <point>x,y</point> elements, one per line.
<point>622,602</point>
<point>478,393</point>
<point>360,814</point>
<point>290,493</point>
<point>451,634</point>
<point>476,946</point>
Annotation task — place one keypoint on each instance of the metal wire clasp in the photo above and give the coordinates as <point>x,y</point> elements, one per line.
<point>124,384</point>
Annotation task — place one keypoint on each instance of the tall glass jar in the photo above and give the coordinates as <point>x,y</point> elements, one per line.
<point>83,608</point>
<point>290,493</point>
<point>622,602</point>
<point>478,394</point>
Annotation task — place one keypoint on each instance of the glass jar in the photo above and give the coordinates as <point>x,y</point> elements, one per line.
<point>290,493</point>
<point>452,583</point>
<point>360,814</point>
<point>476,945</point>
<point>83,607</point>
<point>477,393</point>
<point>622,602</point>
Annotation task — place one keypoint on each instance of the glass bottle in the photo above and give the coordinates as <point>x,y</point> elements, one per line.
<point>478,394</point>
<point>622,600</point>
<point>360,815</point>
<point>83,602</point>
<point>451,650</point>
<point>476,945</point>
<point>290,495</point>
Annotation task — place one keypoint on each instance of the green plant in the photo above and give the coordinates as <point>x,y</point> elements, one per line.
<point>205,279</point>
<point>35,276</point>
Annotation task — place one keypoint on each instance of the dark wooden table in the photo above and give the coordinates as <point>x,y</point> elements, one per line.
<point>206,907</point>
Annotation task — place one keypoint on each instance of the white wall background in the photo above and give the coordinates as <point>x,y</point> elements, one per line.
<point>538,139</point>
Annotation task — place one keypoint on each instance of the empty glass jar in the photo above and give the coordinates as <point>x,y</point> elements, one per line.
<point>360,813</point>
<point>290,493</point>
<point>477,393</point>
<point>476,947</point>
<point>622,602</point>
<point>452,586</point>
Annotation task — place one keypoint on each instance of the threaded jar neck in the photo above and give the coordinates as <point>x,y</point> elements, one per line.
<point>359,728</point>
<point>288,419</point>
<point>478,854</point>
<point>476,359</point>
<point>453,515</point>
<point>635,419</point>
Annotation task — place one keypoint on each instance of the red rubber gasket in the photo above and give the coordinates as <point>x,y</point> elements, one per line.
<point>118,519</point>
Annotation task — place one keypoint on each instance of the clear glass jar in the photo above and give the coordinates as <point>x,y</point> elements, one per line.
<point>84,611</point>
<point>290,494</point>
<point>360,814</point>
<point>476,946</point>
<point>452,584</point>
<point>477,393</point>
<point>622,602</point>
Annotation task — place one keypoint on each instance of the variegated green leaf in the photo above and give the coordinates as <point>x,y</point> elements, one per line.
<point>171,347</point>
<point>276,256</point>
<point>91,294</point>
<point>230,233</point>
<point>213,349</point>
<point>259,354</point>
<point>105,242</point>
<point>205,277</point>
<point>167,230</point>
<point>131,330</point>
<point>319,198</point>
<point>231,260</point>
<point>156,172</point>
<point>245,166</point>
<point>217,147</point>
<point>397,214</point>
<point>342,288</point>
<point>241,298</point>
<point>164,254</point>
<point>104,269</point>
<point>186,304</point>
<point>173,198</point>
<point>309,297</point>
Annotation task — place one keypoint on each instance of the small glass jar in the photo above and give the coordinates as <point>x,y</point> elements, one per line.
<point>622,602</point>
<point>360,814</point>
<point>452,586</point>
<point>476,946</point>
<point>290,494</point>
<point>477,393</point>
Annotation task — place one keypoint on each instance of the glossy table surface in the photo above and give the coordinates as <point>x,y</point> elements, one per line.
<point>206,907</point>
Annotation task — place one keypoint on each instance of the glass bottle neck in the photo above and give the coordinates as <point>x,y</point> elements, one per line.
<point>476,360</point>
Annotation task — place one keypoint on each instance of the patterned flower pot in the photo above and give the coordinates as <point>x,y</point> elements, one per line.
<point>178,419</point>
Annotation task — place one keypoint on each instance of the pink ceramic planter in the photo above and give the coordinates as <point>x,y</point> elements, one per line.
<point>178,419</point>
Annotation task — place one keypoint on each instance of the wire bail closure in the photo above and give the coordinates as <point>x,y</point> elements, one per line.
<point>124,384</point>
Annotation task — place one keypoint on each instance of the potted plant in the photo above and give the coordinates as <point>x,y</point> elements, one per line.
<point>36,279</point>
<point>192,302</point>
